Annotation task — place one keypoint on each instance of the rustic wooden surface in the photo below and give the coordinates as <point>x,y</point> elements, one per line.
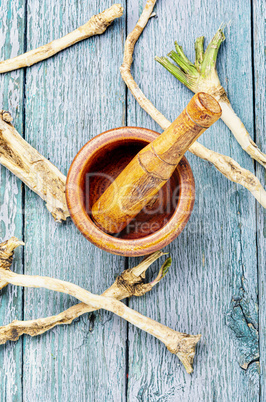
<point>216,284</point>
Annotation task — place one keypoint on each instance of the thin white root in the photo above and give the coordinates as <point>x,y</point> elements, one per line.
<point>129,283</point>
<point>232,171</point>
<point>241,134</point>
<point>95,26</point>
<point>226,165</point>
<point>183,345</point>
<point>39,174</point>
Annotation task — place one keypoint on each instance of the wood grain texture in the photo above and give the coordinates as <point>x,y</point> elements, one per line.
<point>213,285</point>
<point>11,219</point>
<point>259,37</point>
<point>68,100</point>
<point>218,247</point>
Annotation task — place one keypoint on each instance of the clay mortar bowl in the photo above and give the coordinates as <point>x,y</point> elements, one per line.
<point>101,160</point>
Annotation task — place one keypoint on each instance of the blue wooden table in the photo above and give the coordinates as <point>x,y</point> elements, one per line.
<point>216,285</point>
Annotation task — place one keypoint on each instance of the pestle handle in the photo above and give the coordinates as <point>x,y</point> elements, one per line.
<point>150,169</point>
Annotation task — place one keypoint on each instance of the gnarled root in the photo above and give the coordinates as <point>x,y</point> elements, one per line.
<point>129,283</point>
<point>240,133</point>
<point>39,174</point>
<point>95,26</point>
<point>6,255</point>
<point>183,345</point>
<point>226,165</point>
<point>16,154</point>
<point>232,171</point>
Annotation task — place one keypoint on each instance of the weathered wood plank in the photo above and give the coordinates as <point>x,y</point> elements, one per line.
<point>259,36</point>
<point>87,360</point>
<point>11,218</point>
<point>69,99</point>
<point>215,257</point>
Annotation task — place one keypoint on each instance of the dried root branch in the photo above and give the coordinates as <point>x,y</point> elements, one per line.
<point>95,26</point>
<point>16,154</point>
<point>183,345</point>
<point>39,174</point>
<point>6,255</point>
<point>129,283</point>
<point>226,165</point>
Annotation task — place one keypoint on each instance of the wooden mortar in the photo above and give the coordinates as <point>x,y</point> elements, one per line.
<point>159,223</point>
<point>153,166</point>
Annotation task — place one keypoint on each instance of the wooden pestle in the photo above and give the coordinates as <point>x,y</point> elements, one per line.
<point>150,169</point>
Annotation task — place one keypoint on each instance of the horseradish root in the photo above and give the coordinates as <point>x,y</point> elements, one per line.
<point>6,255</point>
<point>40,175</point>
<point>226,165</point>
<point>202,76</point>
<point>129,283</point>
<point>95,26</point>
<point>183,345</point>
<point>16,154</point>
